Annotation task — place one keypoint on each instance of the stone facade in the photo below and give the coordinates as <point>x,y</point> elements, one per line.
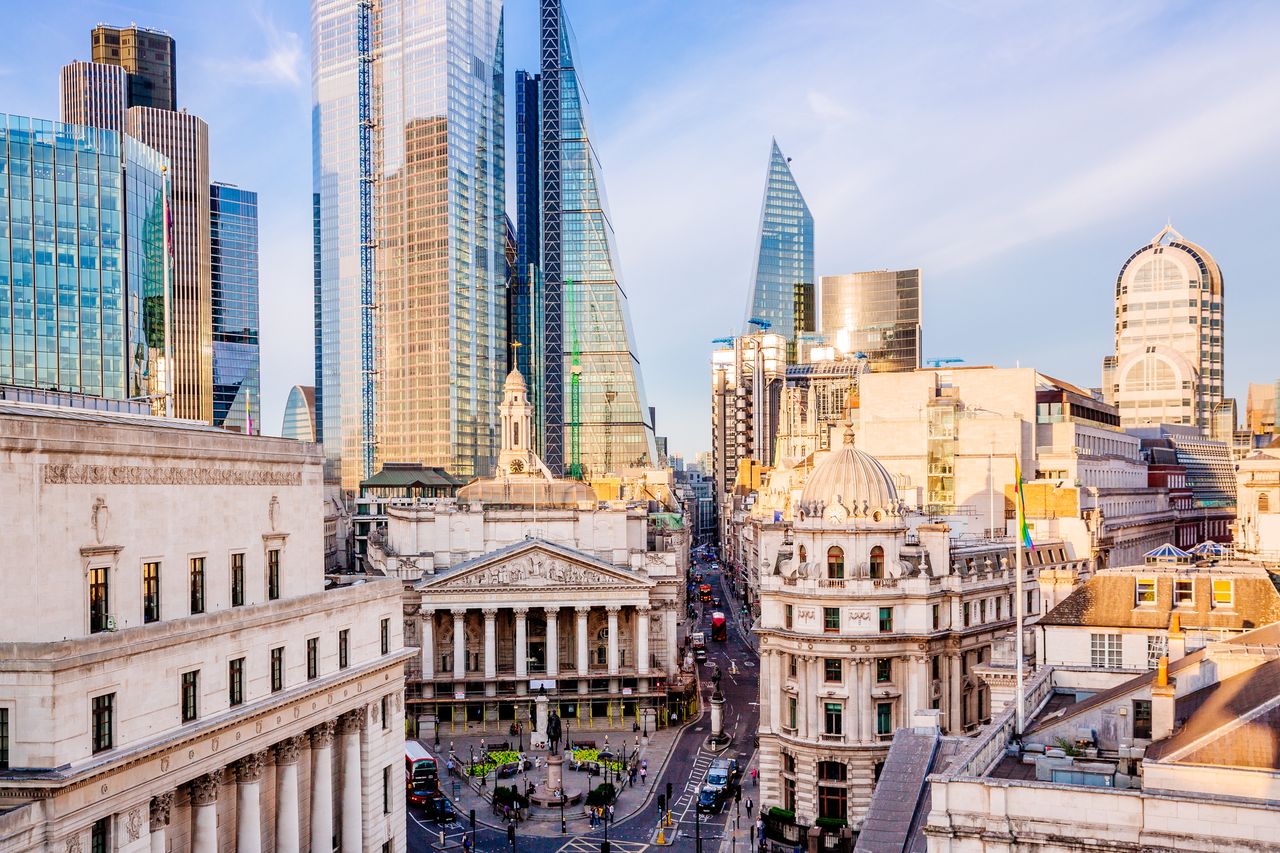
<point>179,684</point>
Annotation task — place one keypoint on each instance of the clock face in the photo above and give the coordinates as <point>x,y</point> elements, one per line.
<point>517,466</point>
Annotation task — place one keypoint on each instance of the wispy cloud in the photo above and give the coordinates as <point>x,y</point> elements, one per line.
<point>280,64</point>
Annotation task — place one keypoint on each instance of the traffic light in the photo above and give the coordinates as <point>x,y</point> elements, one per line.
<point>473,820</point>
<point>604,846</point>
<point>668,792</point>
<point>662,804</point>
<point>737,795</point>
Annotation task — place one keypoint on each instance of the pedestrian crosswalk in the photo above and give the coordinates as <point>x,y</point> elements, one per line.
<point>592,845</point>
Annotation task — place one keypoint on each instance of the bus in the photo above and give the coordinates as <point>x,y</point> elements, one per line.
<point>719,629</point>
<point>421,774</point>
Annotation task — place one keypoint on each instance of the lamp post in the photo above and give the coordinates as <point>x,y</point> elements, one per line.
<point>563,825</point>
<point>697,825</point>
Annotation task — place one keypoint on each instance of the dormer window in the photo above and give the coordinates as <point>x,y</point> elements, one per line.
<point>1146,594</point>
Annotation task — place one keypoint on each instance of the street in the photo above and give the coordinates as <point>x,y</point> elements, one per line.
<point>685,768</point>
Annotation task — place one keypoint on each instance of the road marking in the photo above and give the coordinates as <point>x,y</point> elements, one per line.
<point>591,845</point>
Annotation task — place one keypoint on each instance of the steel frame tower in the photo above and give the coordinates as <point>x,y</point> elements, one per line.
<point>368,439</point>
<point>552,283</point>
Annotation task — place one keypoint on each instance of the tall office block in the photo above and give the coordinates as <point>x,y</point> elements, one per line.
<point>521,333</point>
<point>233,250</point>
<point>94,94</point>
<point>436,340</point>
<point>747,381</point>
<point>148,56</point>
<point>80,258</point>
<point>591,406</point>
<point>184,140</point>
<point>299,421</point>
<point>782,276</point>
<point>1167,367</point>
<point>876,314</point>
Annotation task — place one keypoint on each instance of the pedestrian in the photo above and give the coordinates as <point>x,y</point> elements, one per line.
<point>749,805</point>
<point>610,812</point>
<point>593,817</point>
<point>755,774</point>
<point>644,772</point>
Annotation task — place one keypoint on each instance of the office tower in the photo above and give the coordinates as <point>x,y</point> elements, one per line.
<point>408,148</point>
<point>1167,366</point>
<point>149,57</point>
<point>1262,408</point>
<point>94,94</point>
<point>184,140</point>
<point>591,405</point>
<point>747,379</point>
<point>233,252</point>
<point>80,270</point>
<point>876,314</point>
<point>521,334</point>
<point>782,276</point>
<point>299,421</point>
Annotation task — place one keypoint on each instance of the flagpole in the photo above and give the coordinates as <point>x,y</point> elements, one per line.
<point>1020,522</point>
<point>168,316</point>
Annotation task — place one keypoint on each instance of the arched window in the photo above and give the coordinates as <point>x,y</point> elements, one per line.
<point>804,555</point>
<point>1264,502</point>
<point>835,562</point>
<point>877,562</point>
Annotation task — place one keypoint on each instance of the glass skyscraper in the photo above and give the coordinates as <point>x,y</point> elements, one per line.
<point>233,242</point>
<point>874,313</point>
<point>77,245</point>
<point>593,417</point>
<point>435,106</point>
<point>782,277</point>
<point>299,421</point>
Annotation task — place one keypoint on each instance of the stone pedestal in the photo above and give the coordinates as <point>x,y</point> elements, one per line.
<point>538,737</point>
<point>555,772</point>
<point>547,795</point>
<point>718,740</point>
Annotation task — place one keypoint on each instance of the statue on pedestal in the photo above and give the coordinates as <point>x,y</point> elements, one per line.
<point>553,732</point>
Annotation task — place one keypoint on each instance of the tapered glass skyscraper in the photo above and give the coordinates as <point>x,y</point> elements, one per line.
<point>411,277</point>
<point>782,299</point>
<point>593,417</point>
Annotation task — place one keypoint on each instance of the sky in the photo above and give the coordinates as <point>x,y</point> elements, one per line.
<point>1016,152</point>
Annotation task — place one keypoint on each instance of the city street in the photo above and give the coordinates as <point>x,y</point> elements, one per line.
<point>685,769</point>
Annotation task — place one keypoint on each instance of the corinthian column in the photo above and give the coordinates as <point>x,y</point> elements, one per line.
<point>522,642</point>
<point>553,642</point>
<point>204,812</point>
<point>490,642</point>
<point>288,834</point>
<point>352,724</point>
<point>322,787</point>
<point>161,805</point>
<point>642,639</point>
<point>459,644</point>
<point>249,803</point>
<point>584,656</point>
<point>611,657</point>
<point>428,618</point>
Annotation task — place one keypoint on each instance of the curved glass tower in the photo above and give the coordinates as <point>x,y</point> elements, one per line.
<point>592,412</point>
<point>782,298</point>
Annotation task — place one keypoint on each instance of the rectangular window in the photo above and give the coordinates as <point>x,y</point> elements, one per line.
<point>313,657</point>
<point>1222,593</point>
<point>935,667</point>
<point>1146,591</point>
<point>197,585</point>
<point>1104,651</point>
<point>1031,601</point>
<point>966,614</point>
<point>103,709</point>
<point>833,718</point>
<point>833,802</point>
<point>343,648</point>
<point>385,636</point>
<point>235,682</point>
<point>386,712</point>
<point>884,670</point>
<point>386,790</point>
<point>789,794</point>
<point>999,608</point>
<point>791,665</point>
<point>1183,593</point>
<point>832,670</point>
<point>935,613</point>
<point>831,620</point>
<point>788,616</point>
<point>791,711</point>
<point>99,599</point>
<point>4,738</point>
<point>273,574</point>
<point>100,836</point>
<point>237,580</point>
<point>982,611</point>
<point>190,695</point>
<point>150,592</point>
<point>1142,718</point>
<point>886,620</point>
<point>277,669</point>
<point>884,718</point>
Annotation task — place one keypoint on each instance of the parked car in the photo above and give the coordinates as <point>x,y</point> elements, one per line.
<point>711,800</point>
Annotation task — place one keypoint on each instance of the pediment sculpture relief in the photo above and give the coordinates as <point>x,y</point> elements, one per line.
<point>536,571</point>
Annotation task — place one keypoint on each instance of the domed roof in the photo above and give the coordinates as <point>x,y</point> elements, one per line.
<point>515,382</point>
<point>852,478</point>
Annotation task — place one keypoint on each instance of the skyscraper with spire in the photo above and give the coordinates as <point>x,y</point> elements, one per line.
<point>782,284</point>
<point>593,417</point>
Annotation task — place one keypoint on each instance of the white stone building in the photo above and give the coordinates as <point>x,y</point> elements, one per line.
<point>173,673</point>
<point>1258,507</point>
<point>524,582</point>
<point>868,615</point>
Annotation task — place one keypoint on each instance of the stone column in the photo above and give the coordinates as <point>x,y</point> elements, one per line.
<point>459,644</point>
<point>204,812</point>
<point>671,631</point>
<point>924,679</point>
<point>810,697</point>
<point>352,724</point>
<point>249,803</point>
<point>868,705</point>
<point>553,642</point>
<point>161,805</point>
<point>773,660</point>
<point>288,834</point>
<point>910,686</point>
<point>428,618</point>
<point>642,639</point>
<point>322,787</point>
<point>584,654</point>
<point>955,695</point>
<point>612,656</point>
<point>490,642</point>
<point>522,642</point>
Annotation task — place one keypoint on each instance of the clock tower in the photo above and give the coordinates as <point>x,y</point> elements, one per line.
<point>517,458</point>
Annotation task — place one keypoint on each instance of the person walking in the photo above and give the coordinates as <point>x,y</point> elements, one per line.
<point>749,805</point>
<point>644,773</point>
<point>755,775</point>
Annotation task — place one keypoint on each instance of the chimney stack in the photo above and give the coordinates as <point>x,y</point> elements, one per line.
<point>1163,696</point>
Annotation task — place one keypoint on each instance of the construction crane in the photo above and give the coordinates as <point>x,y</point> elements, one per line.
<point>726,341</point>
<point>764,325</point>
<point>364,84</point>
<point>939,362</point>
<point>575,391</point>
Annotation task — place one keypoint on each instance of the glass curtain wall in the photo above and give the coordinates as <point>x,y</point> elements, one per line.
<point>233,244</point>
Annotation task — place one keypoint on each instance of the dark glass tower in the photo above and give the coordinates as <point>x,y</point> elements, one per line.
<point>782,283</point>
<point>592,413</point>
<point>149,57</point>
<point>234,261</point>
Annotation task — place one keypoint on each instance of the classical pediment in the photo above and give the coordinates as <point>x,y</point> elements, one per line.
<point>534,564</point>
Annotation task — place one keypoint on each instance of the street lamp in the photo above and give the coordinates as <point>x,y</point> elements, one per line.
<point>563,825</point>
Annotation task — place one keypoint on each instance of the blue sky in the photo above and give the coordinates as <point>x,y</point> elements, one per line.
<point>1017,152</point>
